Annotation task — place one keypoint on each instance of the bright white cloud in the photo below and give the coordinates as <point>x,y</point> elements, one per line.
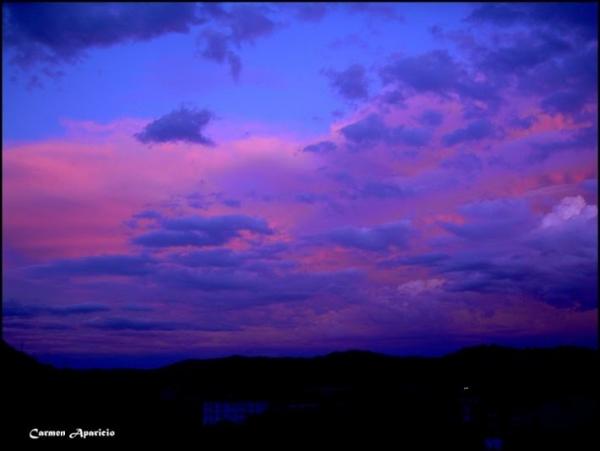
<point>569,208</point>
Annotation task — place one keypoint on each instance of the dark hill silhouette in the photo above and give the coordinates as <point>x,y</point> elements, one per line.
<point>528,399</point>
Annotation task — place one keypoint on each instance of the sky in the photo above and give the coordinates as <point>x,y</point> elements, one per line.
<point>198,180</point>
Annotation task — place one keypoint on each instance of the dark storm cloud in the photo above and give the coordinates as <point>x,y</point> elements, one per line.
<point>383,190</point>
<point>218,224</point>
<point>492,220</point>
<point>213,280</point>
<point>431,118</point>
<point>231,28</point>
<point>474,131</point>
<point>311,12</point>
<point>523,123</point>
<point>495,13</point>
<point>201,231</point>
<point>580,19</point>
<point>585,138</point>
<point>564,283</point>
<point>427,260</point>
<point>377,239</point>
<point>578,70</point>
<point>554,58</point>
<point>438,73</point>
<point>239,280</point>
<point>371,130</point>
<point>435,72</point>
<point>217,48</point>
<point>20,310</point>
<point>120,324</point>
<point>516,252</point>
<point>351,83</point>
<point>36,325</point>
<point>252,258</point>
<point>108,265</point>
<point>409,136</point>
<point>464,162</point>
<point>321,147</point>
<point>232,203</point>
<point>374,9</point>
<point>180,125</point>
<point>211,258</point>
<point>520,52</point>
<point>568,101</point>
<point>165,238</point>
<point>310,198</point>
<point>393,97</point>
<point>62,32</point>
<point>147,214</point>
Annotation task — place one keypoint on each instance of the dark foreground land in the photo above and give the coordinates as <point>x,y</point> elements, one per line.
<point>479,398</point>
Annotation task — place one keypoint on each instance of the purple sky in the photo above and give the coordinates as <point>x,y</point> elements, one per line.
<point>197,180</point>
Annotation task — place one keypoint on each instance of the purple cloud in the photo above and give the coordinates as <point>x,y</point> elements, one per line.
<point>371,130</point>
<point>233,27</point>
<point>20,310</point>
<point>438,73</point>
<point>431,118</point>
<point>57,33</point>
<point>475,131</point>
<point>180,125</point>
<point>201,231</point>
<point>384,190</point>
<point>321,147</point>
<point>580,19</point>
<point>109,265</point>
<point>464,162</point>
<point>493,219</point>
<point>377,239</point>
<point>217,48</point>
<point>119,324</point>
<point>351,83</point>
<point>514,252</point>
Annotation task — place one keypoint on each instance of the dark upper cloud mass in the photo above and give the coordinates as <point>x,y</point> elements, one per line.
<point>493,219</point>
<point>16,309</point>
<point>580,139</point>
<point>311,12</point>
<point>383,190</point>
<point>465,162</point>
<point>180,125</point>
<point>202,231</point>
<point>217,48</point>
<point>110,265</point>
<point>377,239</point>
<point>321,147</point>
<point>580,19</point>
<point>514,251</point>
<point>475,131</point>
<point>435,71</point>
<point>351,83</point>
<point>432,118</point>
<point>521,51</point>
<point>62,32</point>
<point>230,28</point>
<point>372,130</point>
<point>439,73</point>
<point>118,324</point>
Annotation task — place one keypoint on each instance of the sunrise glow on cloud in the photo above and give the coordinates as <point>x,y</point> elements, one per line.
<point>291,179</point>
